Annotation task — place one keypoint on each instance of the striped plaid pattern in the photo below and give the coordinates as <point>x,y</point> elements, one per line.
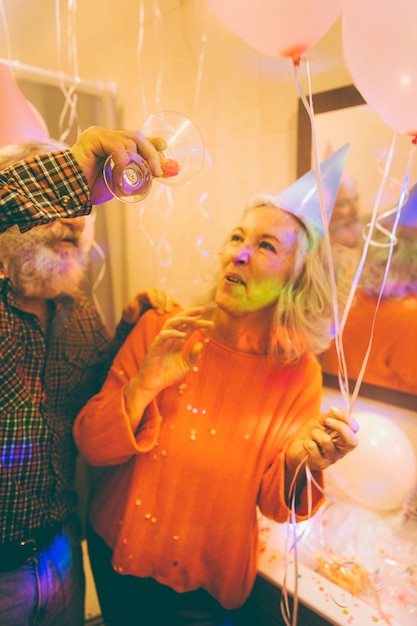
<point>42,389</point>
<point>42,188</point>
<point>44,384</point>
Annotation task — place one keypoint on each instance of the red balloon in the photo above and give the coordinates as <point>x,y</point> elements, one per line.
<point>279,28</point>
<point>380,47</point>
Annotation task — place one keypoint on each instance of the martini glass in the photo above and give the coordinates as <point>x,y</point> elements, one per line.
<point>182,152</point>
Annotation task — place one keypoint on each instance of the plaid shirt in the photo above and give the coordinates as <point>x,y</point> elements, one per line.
<point>44,384</point>
<point>42,188</point>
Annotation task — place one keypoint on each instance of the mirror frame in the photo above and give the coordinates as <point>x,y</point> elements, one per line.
<point>324,102</point>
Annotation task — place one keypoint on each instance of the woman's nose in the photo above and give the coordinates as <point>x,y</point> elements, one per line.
<point>242,256</point>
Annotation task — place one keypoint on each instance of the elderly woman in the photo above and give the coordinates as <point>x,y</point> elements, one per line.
<point>205,416</point>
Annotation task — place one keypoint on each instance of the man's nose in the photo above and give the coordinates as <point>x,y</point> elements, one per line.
<point>75,223</point>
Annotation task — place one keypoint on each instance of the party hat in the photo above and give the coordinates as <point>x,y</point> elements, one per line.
<point>408,215</point>
<point>19,121</point>
<point>302,198</point>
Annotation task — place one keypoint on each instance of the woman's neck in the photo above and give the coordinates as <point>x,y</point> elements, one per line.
<point>249,333</point>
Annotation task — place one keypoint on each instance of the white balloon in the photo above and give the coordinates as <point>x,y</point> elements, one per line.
<point>279,28</point>
<point>381,472</point>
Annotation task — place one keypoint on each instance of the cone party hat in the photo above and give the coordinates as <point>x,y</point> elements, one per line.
<point>302,198</point>
<point>408,215</point>
<point>19,121</point>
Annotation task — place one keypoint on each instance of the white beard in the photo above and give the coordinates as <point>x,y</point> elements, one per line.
<point>36,267</point>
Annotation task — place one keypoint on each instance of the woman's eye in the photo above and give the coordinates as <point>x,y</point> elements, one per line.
<point>267,246</point>
<point>236,237</point>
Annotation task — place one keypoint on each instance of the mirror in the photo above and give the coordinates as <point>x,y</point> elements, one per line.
<point>342,115</point>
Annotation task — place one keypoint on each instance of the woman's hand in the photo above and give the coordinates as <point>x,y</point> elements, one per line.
<point>322,441</point>
<point>165,363</point>
<point>160,301</point>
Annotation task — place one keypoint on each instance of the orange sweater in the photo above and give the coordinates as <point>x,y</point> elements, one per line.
<point>179,505</point>
<point>393,358</point>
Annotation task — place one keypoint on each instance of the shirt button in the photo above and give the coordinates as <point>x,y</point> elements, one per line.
<point>65,200</point>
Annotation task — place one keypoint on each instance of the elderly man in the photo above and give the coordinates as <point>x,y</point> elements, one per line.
<point>54,354</point>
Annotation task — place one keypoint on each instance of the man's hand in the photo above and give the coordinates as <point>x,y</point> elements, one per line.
<point>160,301</point>
<point>95,144</point>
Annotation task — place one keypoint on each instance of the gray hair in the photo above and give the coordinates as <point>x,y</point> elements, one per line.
<point>9,155</point>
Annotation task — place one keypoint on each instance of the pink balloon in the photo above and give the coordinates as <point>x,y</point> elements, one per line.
<point>380,48</point>
<point>279,28</point>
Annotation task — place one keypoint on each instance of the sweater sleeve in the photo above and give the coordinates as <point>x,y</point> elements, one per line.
<point>42,188</point>
<point>102,430</point>
<point>272,498</point>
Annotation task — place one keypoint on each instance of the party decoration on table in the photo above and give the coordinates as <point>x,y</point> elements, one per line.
<point>279,28</point>
<point>380,48</point>
<point>345,572</point>
<point>368,554</point>
<point>381,472</point>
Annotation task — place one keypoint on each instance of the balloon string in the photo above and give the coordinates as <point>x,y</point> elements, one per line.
<point>99,278</point>
<point>6,30</point>
<point>292,524</point>
<point>392,242</point>
<point>342,374</point>
<point>201,59</point>
<point>70,97</point>
<point>158,38</point>
<point>72,101</point>
<point>391,234</point>
<point>308,104</point>
<point>139,54</point>
<point>296,537</point>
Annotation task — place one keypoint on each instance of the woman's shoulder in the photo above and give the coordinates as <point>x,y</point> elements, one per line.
<point>152,322</point>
